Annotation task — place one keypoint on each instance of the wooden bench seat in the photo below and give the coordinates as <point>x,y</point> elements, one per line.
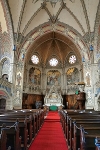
<point>29,123</point>
<point>76,118</point>
<point>66,115</point>
<point>25,125</point>
<point>88,134</point>
<point>97,142</point>
<point>83,118</point>
<point>10,137</point>
<point>75,132</point>
<point>23,130</point>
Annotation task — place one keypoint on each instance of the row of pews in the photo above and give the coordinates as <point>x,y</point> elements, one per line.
<point>19,127</point>
<point>81,129</point>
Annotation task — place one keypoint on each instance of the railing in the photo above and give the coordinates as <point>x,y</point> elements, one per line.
<point>31,88</point>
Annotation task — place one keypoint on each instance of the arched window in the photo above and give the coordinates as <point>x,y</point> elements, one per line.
<point>35,59</point>
<point>72,59</point>
<point>53,62</point>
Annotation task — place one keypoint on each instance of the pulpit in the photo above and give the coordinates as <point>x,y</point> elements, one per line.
<point>81,100</point>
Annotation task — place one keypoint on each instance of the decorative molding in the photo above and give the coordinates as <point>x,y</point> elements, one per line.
<point>21,15</point>
<point>80,25</point>
<point>30,20</point>
<point>8,18</point>
<point>47,28</point>
<point>86,15</point>
<point>97,23</point>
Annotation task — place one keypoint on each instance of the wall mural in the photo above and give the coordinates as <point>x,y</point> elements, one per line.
<point>53,77</point>
<point>35,76</point>
<point>72,75</point>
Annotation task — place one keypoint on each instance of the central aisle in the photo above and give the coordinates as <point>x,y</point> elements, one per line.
<point>50,136</point>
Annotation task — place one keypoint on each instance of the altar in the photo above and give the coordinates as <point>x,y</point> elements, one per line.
<point>53,98</point>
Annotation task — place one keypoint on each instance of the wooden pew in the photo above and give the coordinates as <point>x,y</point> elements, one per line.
<point>31,124</point>
<point>23,131</point>
<point>63,120</point>
<point>10,137</point>
<point>65,115</point>
<point>97,143</point>
<point>21,118</point>
<point>75,115</point>
<point>86,121</point>
<point>75,137</point>
<point>38,115</point>
<point>88,135</point>
<point>25,127</point>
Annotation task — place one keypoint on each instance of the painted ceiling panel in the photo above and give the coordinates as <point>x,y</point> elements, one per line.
<point>67,18</point>
<point>15,8</point>
<point>53,10</point>
<point>29,10</point>
<point>2,19</point>
<point>91,6</point>
<point>77,10</point>
<point>76,7</point>
<point>38,20</point>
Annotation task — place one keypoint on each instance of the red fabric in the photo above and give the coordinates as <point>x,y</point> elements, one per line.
<point>50,136</point>
<point>2,93</point>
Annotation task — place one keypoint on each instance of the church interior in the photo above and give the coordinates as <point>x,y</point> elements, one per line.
<point>50,61</point>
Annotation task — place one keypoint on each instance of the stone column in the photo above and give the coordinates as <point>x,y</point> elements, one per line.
<point>9,105</point>
<point>26,79</point>
<point>0,70</point>
<point>89,82</point>
<point>64,80</point>
<point>43,80</point>
<point>19,83</point>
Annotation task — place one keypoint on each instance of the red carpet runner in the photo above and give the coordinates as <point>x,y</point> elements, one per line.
<point>50,136</point>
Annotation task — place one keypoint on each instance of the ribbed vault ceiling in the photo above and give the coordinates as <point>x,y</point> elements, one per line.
<point>53,44</point>
<point>26,15</point>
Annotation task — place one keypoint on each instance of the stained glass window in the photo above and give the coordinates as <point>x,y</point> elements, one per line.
<point>35,59</point>
<point>72,59</point>
<point>53,62</point>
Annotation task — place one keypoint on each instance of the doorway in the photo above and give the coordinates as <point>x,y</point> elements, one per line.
<point>2,103</point>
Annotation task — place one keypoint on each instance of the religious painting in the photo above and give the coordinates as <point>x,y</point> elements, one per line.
<point>53,77</point>
<point>35,76</point>
<point>72,75</point>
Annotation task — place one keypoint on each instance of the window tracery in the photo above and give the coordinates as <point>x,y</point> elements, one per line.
<point>72,59</point>
<point>35,59</point>
<point>53,62</point>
